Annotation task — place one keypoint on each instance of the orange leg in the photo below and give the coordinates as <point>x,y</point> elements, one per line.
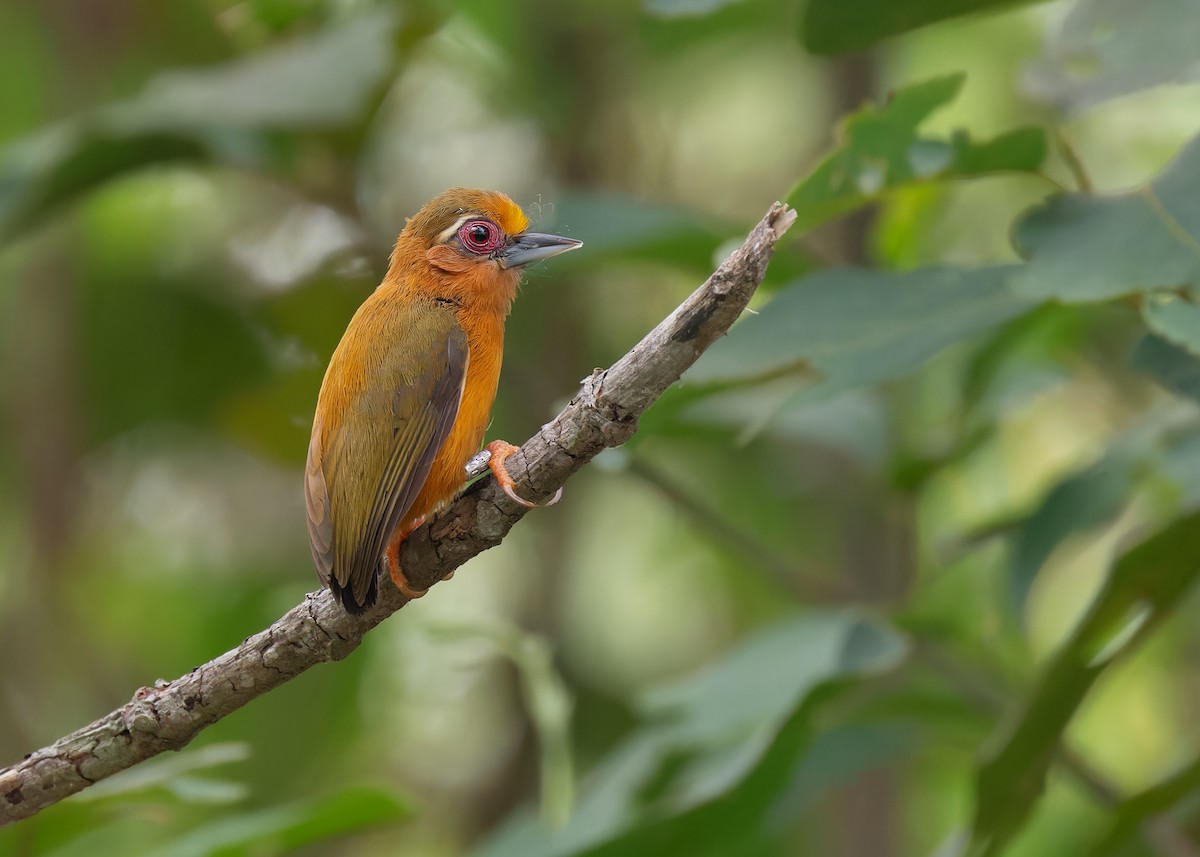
<point>501,450</point>
<point>393,558</point>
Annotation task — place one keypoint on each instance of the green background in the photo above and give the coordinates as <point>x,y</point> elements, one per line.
<point>902,567</point>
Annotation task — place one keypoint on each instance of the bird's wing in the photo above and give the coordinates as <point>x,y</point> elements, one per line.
<point>370,455</point>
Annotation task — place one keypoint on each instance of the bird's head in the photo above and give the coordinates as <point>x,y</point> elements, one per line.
<point>472,244</point>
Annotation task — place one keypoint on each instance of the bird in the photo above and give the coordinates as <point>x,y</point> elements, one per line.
<point>408,392</point>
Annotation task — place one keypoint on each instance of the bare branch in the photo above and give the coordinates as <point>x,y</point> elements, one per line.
<point>603,414</point>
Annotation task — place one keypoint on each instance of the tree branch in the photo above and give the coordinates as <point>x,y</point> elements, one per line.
<point>604,414</point>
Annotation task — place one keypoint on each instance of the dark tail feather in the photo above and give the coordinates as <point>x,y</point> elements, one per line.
<point>346,596</point>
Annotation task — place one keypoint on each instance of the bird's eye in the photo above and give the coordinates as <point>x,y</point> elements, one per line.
<point>480,236</point>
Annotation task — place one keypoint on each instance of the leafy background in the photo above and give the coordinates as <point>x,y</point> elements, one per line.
<point>902,568</point>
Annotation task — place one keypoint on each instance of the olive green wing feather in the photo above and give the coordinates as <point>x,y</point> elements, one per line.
<point>316,505</point>
<point>365,477</point>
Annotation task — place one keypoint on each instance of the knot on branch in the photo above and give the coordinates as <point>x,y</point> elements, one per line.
<point>612,420</point>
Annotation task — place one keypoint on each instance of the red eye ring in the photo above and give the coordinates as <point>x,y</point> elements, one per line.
<point>480,236</point>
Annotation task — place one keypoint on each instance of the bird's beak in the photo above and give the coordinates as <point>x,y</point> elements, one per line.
<point>532,246</point>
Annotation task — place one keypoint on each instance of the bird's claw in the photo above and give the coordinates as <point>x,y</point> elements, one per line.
<point>501,450</point>
<point>521,501</point>
<point>515,497</point>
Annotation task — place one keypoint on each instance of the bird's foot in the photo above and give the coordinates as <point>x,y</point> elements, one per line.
<point>501,450</point>
<point>393,560</point>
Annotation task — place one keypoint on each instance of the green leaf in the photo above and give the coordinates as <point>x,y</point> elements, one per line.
<point>838,26</point>
<point>880,150</point>
<point>280,830</point>
<point>1175,368</point>
<point>1108,48</point>
<point>852,327</point>
<point>165,771</point>
<point>1088,248</point>
<point>798,769</point>
<point>1143,587</point>
<point>319,81</point>
<point>211,114</point>
<point>55,166</point>
<point>706,734</point>
<point>1174,318</point>
<point>1083,500</point>
<point>207,790</point>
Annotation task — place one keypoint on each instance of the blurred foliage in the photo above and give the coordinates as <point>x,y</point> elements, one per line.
<point>1145,585</point>
<point>1084,65</point>
<point>837,26</point>
<point>881,151</point>
<point>221,115</point>
<point>903,567</point>
<point>707,735</point>
<point>1081,247</point>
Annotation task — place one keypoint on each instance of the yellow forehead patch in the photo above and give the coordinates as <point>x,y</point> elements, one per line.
<point>507,214</point>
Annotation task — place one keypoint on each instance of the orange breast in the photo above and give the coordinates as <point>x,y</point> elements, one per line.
<point>485,337</point>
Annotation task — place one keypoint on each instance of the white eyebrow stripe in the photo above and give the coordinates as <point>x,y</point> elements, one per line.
<point>448,233</point>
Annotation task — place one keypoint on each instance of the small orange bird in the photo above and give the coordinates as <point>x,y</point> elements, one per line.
<point>409,389</point>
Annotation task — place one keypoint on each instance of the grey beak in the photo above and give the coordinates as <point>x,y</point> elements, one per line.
<point>532,246</point>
